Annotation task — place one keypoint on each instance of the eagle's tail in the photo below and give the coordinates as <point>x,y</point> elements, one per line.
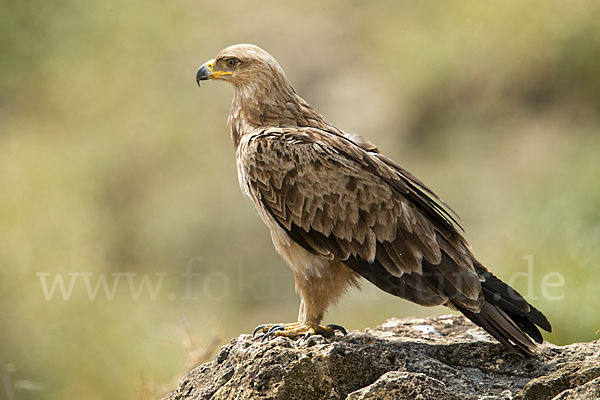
<point>507,316</point>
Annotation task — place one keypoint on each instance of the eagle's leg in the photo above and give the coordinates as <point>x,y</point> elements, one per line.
<point>317,293</point>
<point>307,325</point>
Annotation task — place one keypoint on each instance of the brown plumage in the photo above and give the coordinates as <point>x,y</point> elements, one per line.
<point>338,209</point>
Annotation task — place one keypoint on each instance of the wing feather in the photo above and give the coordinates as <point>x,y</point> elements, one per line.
<point>339,200</point>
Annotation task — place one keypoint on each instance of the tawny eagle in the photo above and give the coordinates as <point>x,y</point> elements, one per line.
<point>339,210</point>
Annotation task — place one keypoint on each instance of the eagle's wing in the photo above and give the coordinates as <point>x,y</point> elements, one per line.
<point>337,197</point>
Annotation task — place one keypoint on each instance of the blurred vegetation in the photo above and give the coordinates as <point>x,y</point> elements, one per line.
<point>113,161</point>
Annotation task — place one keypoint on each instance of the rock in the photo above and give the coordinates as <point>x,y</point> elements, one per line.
<point>434,358</point>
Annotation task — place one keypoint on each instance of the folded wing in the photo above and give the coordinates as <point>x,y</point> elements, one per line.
<point>337,197</point>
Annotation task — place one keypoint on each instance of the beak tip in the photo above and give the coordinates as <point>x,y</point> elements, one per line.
<point>202,74</point>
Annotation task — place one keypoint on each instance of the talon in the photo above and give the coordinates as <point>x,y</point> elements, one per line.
<point>259,328</point>
<point>271,331</point>
<point>274,328</point>
<point>337,328</point>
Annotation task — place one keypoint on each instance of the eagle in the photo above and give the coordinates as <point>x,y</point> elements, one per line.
<point>339,210</point>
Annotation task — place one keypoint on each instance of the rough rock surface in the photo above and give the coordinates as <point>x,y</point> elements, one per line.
<point>435,358</point>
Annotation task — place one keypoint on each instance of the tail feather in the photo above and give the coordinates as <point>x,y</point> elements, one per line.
<point>500,294</point>
<point>507,316</point>
<point>497,329</point>
<point>527,326</point>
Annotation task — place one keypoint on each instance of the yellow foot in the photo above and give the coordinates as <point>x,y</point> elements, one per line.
<point>297,329</point>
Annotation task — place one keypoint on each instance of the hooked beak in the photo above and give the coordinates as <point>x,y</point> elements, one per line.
<point>206,71</point>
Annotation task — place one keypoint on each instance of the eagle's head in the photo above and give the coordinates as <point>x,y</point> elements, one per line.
<point>242,65</point>
<point>262,95</point>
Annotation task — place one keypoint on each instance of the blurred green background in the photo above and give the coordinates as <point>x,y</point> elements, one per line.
<point>114,164</point>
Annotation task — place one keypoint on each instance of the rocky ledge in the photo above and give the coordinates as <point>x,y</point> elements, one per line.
<point>435,358</point>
